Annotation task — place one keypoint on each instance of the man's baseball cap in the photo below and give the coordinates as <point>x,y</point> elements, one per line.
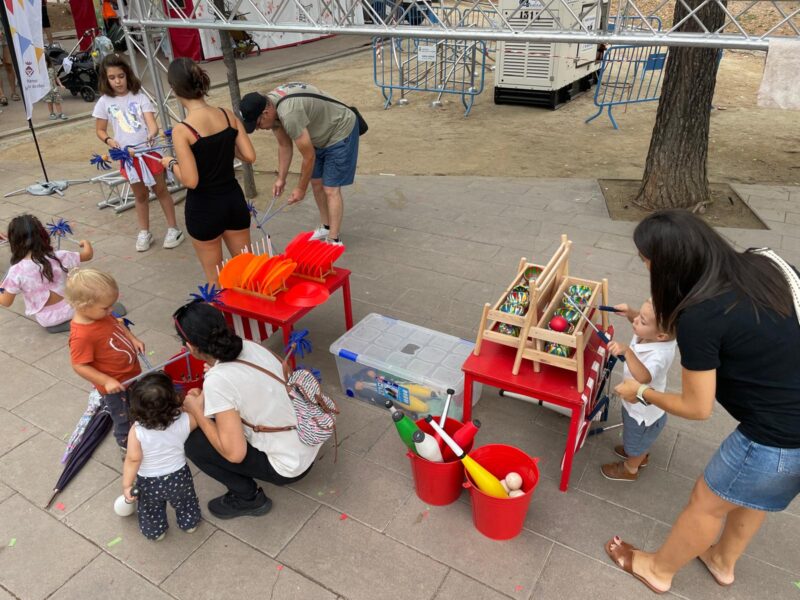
<point>251,107</point>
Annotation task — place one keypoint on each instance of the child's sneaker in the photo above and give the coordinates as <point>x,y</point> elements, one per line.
<point>335,241</point>
<point>63,117</point>
<point>320,233</point>
<point>144,240</point>
<point>161,537</point>
<point>53,116</point>
<point>618,472</point>
<point>190,530</point>
<point>620,451</point>
<point>173,238</point>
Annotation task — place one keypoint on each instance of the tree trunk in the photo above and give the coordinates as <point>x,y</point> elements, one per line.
<point>229,60</point>
<point>675,172</point>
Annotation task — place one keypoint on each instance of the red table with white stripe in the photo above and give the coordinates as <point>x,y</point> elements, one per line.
<point>551,385</point>
<point>256,319</point>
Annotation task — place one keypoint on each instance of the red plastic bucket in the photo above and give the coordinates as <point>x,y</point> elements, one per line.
<point>186,373</point>
<point>437,483</point>
<point>502,518</point>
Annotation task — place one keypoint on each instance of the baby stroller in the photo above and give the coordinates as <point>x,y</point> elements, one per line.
<point>243,42</point>
<point>76,69</point>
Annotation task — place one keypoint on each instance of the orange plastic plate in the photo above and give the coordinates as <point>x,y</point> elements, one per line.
<point>231,274</point>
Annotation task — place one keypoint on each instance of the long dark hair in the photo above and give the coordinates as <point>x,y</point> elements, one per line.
<point>690,263</point>
<point>204,327</point>
<point>26,234</point>
<point>154,402</point>
<point>117,60</point>
<point>188,79</point>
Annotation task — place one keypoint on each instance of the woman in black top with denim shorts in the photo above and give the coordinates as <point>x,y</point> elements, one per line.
<point>206,143</point>
<point>736,321</point>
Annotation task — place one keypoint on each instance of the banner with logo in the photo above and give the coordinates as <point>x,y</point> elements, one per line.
<point>25,22</point>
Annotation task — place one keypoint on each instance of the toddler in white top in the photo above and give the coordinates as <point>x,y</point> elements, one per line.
<point>647,360</point>
<point>155,458</point>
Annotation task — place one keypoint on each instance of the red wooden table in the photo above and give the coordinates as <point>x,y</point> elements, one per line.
<point>255,318</point>
<point>551,384</point>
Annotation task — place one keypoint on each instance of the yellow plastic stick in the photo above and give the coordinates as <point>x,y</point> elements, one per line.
<point>486,482</point>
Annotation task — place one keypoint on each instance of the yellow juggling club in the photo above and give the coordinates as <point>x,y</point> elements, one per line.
<point>486,482</point>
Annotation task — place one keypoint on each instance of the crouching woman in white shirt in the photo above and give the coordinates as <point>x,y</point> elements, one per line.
<point>235,393</point>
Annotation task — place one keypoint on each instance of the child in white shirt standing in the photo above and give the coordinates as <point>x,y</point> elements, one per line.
<point>155,461</point>
<point>132,117</point>
<point>647,360</point>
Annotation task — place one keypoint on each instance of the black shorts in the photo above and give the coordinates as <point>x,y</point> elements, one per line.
<point>209,215</point>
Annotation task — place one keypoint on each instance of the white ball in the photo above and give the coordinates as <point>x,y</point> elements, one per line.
<point>123,508</point>
<point>516,493</point>
<point>514,481</point>
<point>505,485</point>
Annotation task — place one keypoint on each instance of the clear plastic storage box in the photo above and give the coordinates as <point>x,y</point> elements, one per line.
<point>382,358</point>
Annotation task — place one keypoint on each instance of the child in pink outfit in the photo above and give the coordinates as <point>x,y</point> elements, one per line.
<point>39,273</point>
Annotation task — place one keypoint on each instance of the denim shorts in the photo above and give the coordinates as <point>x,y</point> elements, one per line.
<point>336,164</point>
<point>637,438</point>
<point>749,474</point>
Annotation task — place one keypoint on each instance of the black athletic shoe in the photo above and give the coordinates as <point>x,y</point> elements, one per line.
<point>230,506</point>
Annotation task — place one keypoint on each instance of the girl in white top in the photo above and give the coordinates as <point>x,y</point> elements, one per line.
<point>39,272</point>
<point>155,460</point>
<point>223,447</point>
<point>133,119</point>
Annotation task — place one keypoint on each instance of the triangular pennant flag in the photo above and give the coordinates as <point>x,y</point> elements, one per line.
<point>39,54</point>
<point>21,5</point>
<point>32,2</point>
<point>24,43</point>
<point>9,6</point>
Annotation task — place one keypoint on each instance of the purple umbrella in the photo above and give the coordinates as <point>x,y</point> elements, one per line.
<point>96,431</point>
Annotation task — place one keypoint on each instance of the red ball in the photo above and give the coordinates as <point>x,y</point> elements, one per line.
<point>559,323</point>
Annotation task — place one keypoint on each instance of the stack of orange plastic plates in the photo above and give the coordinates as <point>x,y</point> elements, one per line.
<point>260,274</point>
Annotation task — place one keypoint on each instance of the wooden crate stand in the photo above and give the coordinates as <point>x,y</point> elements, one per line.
<point>537,294</point>
<point>545,296</point>
<point>539,334</point>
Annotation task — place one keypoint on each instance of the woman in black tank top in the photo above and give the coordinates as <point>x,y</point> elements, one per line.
<point>206,144</point>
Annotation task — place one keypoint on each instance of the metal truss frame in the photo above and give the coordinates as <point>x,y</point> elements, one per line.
<point>346,17</point>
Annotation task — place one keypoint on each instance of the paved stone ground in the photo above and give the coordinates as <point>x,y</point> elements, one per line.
<point>429,250</point>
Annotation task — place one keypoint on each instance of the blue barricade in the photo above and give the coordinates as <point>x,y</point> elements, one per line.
<point>628,75</point>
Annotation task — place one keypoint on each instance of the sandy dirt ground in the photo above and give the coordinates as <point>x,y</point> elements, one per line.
<point>748,144</point>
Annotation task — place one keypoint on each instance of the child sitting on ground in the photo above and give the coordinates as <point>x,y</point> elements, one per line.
<point>102,350</point>
<point>647,360</point>
<point>39,273</point>
<point>155,458</point>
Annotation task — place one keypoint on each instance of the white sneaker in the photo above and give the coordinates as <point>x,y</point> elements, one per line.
<point>335,242</point>
<point>320,233</point>
<point>173,238</point>
<point>144,240</point>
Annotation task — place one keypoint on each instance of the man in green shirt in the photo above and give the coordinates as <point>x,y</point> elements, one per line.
<point>326,134</point>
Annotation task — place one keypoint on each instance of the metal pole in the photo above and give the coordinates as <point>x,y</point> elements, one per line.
<point>632,38</point>
<point>122,7</point>
<point>158,87</point>
<point>12,51</point>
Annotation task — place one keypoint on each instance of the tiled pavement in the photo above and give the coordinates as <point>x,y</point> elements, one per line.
<point>429,250</point>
